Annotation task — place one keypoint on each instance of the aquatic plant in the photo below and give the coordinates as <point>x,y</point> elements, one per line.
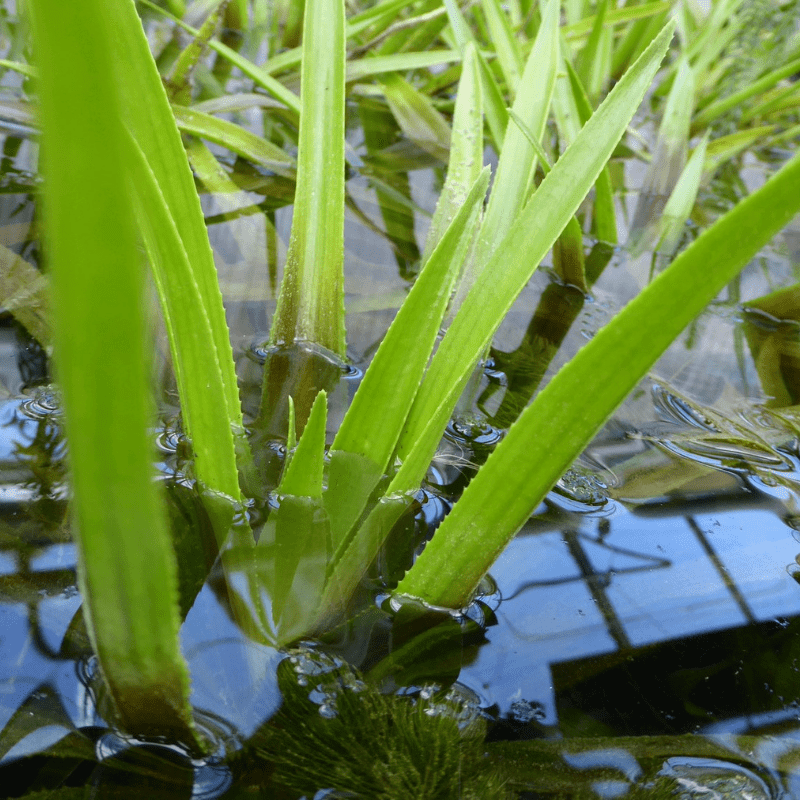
<point>121,173</point>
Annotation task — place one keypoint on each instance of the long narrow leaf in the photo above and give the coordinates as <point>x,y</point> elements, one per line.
<point>189,333</point>
<point>513,262</point>
<point>505,45</point>
<point>496,113</point>
<point>769,80</point>
<point>605,220</point>
<point>417,117</point>
<point>373,422</point>
<point>258,75</point>
<point>399,62</point>
<point>681,201</point>
<point>311,302</point>
<point>466,150</point>
<point>235,138</point>
<point>209,391</point>
<point>574,405</point>
<point>669,159</point>
<point>517,158</point>
<point>128,579</point>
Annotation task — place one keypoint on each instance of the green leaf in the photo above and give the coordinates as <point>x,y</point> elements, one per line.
<point>715,110</point>
<point>466,150</point>
<point>303,475</point>
<point>178,81</point>
<point>311,302</point>
<point>669,159</point>
<point>373,422</point>
<point>189,332</point>
<point>618,16</point>
<point>417,117</point>
<point>257,74</point>
<point>605,220</point>
<point>561,421</point>
<point>586,64</point>
<point>505,45</point>
<point>206,377</point>
<point>399,62</point>
<point>681,201</point>
<point>300,531</point>
<point>23,69</point>
<point>727,147</point>
<point>128,580</point>
<point>351,561</point>
<point>235,138</point>
<point>496,113</point>
<point>517,158</point>
<point>513,262</point>
<point>568,259</point>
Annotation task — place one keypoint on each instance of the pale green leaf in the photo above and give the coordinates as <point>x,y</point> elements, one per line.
<point>303,476</point>
<point>605,220</point>
<point>311,302</point>
<point>505,45</point>
<point>466,150</point>
<point>399,62</point>
<point>211,423</point>
<point>417,117</point>
<point>235,138</point>
<point>681,201</point>
<point>517,158</point>
<point>720,107</point>
<point>375,418</point>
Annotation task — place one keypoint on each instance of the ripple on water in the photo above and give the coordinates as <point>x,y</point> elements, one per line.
<point>45,403</point>
<point>207,778</point>
<point>713,779</point>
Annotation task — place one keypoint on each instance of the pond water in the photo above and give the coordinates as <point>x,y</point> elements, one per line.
<point>655,593</point>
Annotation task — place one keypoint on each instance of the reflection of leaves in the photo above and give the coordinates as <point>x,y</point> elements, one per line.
<point>729,436</point>
<point>44,457</point>
<point>429,646</point>
<point>526,366</point>
<point>31,587</point>
<point>40,720</point>
<point>42,708</point>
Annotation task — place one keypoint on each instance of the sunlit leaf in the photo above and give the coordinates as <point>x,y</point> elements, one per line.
<point>555,424</point>
<point>311,302</point>
<point>103,366</point>
<point>513,262</point>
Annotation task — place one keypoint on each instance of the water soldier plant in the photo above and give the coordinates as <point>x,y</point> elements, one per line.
<point>117,181</point>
